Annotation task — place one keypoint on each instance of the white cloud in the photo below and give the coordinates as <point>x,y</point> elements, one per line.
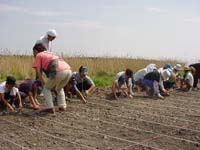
<point>5,8</point>
<point>9,8</point>
<point>113,6</point>
<point>78,24</point>
<point>48,13</point>
<point>192,20</point>
<point>154,9</point>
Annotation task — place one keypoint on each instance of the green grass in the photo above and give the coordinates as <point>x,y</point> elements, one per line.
<point>102,79</point>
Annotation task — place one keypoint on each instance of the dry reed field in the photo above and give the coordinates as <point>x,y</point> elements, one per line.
<point>20,66</point>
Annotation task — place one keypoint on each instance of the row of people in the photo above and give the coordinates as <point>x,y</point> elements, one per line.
<point>157,82</point>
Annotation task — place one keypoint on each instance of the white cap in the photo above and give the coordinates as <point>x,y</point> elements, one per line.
<point>178,67</point>
<point>52,33</point>
<point>165,74</point>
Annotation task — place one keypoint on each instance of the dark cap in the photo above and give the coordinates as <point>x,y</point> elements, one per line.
<point>10,80</point>
<point>83,69</point>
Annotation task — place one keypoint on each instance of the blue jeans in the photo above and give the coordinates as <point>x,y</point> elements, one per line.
<point>149,84</point>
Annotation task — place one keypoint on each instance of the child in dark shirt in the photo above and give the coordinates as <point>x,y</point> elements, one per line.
<point>28,88</point>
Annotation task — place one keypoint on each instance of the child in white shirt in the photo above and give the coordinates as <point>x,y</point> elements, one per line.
<point>9,94</point>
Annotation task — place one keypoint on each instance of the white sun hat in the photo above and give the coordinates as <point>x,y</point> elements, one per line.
<point>52,33</point>
<point>165,74</point>
<point>178,67</point>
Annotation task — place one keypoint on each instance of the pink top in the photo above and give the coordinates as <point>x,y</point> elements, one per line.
<point>42,60</point>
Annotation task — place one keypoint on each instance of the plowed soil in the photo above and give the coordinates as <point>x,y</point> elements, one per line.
<point>140,123</point>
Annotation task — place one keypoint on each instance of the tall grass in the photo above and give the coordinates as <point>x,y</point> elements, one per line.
<point>113,65</point>
<point>20,66</point>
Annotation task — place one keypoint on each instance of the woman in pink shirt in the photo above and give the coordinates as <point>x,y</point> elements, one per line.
<point>58,73</point>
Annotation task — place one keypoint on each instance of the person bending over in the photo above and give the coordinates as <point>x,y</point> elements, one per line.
<point>9,95</point>
<point>123,82</point>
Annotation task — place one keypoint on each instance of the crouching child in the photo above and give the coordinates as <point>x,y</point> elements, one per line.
<point>80,84</point>
<point>28,88</point>
<point>123,84</point>
<point>188,79</point>
<point>9,95</point>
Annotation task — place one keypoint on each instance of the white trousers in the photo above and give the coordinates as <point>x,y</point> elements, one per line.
<point>58,82</point>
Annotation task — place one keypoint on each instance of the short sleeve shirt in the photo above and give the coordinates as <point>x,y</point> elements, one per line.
<point>120,77</point>
<point>3,89</point>
<point>43,59</point>
<point>139,75</point>
<point>80,80</point>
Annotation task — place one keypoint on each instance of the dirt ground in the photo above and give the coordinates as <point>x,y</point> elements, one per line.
<point>140,123</point>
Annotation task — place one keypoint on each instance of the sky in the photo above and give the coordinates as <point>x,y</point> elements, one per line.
<point>161,29</point>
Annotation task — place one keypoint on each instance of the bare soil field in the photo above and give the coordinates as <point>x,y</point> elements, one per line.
<point>140,123</point>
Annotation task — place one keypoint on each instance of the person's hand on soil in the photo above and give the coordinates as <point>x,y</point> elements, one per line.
<point>10,108</point>
<point>167,94</point>
<point>125,94</point>
<point>20,108</point>
<point>123,87</point>
<point>84,101</point>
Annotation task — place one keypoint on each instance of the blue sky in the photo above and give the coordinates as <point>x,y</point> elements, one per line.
<point>133,28</point>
